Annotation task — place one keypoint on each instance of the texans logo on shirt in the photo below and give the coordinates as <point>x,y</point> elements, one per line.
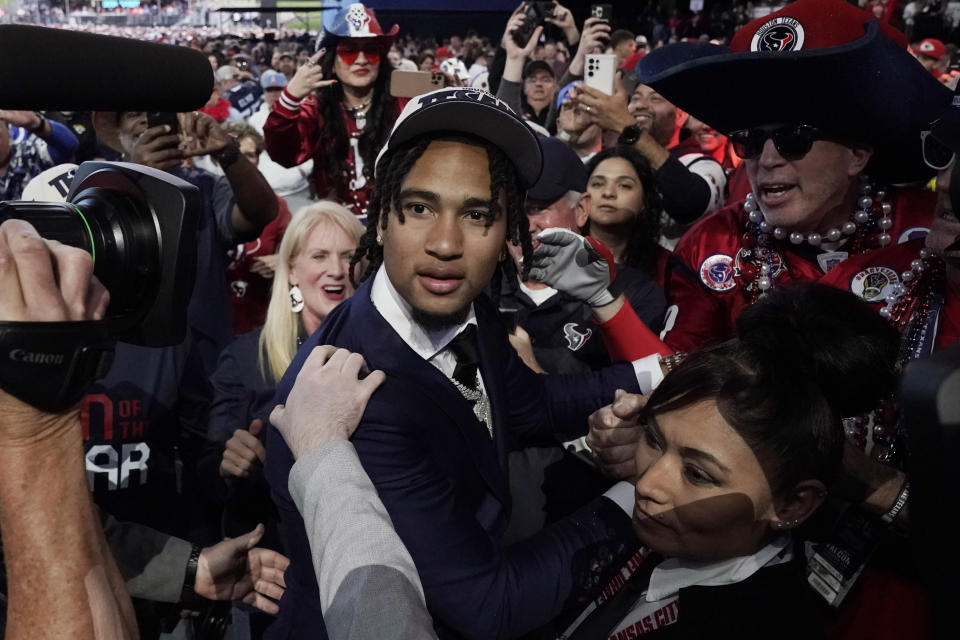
<point>717,272</point>
<point>575,336</point>
<point>781,35</point>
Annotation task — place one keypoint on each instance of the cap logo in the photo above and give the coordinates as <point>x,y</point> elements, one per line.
<point>475,95</point>
<point>358,20</point>
<point>781,34</point>
<point>925,46</point>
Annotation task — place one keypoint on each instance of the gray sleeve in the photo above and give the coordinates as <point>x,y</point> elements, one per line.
<point>153,564</point>
<point>511,92</point>
<point>369,586</point>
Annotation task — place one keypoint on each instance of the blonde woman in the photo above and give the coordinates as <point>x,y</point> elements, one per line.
<point>312,278</point>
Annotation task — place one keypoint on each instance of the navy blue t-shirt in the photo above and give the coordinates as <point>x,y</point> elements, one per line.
<point>142,421</point>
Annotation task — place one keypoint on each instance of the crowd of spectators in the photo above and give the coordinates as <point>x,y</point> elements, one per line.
<point>513,354</point>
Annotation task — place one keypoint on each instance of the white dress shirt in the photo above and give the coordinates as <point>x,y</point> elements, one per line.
<point>431,345</point>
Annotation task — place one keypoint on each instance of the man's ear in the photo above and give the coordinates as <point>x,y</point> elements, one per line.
<point>859,158</point>
<point>680,117</point>
<point>582,211</point>
<point>799,504</point>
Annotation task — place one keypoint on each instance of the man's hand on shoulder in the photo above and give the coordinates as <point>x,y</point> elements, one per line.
<point>327,400</point>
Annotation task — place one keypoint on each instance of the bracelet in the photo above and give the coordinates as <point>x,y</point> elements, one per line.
<point>900,503</point>
<point>228,155</point>
<point>190,577</point>
<point>670,362</point>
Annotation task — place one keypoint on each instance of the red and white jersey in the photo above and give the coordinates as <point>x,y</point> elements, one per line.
<point>705,286</point>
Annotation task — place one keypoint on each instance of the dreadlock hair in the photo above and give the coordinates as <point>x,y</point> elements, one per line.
<point>641,246</point>
<point>380,117</point>
<point>397,163</point>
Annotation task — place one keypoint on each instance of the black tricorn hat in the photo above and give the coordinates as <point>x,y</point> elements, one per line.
<point>818,62</point>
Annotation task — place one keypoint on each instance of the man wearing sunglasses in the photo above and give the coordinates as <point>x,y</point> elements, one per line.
<point>825,106</point>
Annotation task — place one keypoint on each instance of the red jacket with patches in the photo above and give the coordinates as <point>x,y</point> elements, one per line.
<point>702,283</point>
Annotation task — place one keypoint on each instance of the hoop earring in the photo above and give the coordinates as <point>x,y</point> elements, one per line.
<point>296,299</point>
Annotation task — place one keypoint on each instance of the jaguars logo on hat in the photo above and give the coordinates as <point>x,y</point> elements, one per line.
<point>781,34</point>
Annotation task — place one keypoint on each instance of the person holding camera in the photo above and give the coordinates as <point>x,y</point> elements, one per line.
<point>55,550</point>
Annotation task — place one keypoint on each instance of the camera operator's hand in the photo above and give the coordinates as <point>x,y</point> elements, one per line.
<point>563,18</point>
<point>308,78</point>
<point>614,434</point>
<point>243,452</point>
<point>596,35</point>
<point>327,399</point>
<point>42,281</point>
<point>29,287</point>
<point>609,112</point>
<point>235,569</point>
<point>200,134</point>
<point>54,547</point>
<point>157,148</point>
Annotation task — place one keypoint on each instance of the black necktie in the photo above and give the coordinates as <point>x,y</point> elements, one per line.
<point>464,348</point>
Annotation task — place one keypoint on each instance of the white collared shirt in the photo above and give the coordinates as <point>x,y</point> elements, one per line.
<point>431,345</point>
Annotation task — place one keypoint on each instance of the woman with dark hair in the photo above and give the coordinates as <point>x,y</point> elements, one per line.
<point>622,209</point>
<point>738,445</point>
<point>337,109</point>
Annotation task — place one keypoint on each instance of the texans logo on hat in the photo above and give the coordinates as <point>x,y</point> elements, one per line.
<point>780,34</point>
<point>474,112</point>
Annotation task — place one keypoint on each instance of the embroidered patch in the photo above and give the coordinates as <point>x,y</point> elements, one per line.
<point>781,34</point>
<point>717,272</point>
<point>874,284</point>
<point>576,337</point>
<point>913,233</point>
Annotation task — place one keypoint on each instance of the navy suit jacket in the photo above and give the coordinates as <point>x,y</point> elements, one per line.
<point>443,480</point>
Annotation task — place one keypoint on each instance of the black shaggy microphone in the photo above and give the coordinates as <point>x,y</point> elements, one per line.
<point>54,69</point>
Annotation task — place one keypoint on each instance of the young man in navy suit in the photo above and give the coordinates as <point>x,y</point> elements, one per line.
<point>435,436</point>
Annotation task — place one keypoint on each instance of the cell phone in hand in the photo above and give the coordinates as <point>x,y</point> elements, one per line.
<point>157,118</point>
<point>600,71</point>
<point>602,12</point>
<point>409,84</point>
<point>534,15</point>
<point>511,318</point>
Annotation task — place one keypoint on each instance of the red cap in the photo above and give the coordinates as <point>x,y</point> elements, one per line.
<point>932,48</point>
<point>443,53</point>
<point>808,24</point>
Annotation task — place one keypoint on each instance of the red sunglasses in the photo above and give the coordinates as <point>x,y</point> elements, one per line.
<point>350,51</point>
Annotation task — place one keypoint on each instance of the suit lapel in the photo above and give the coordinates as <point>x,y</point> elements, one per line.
<point>388,352</point>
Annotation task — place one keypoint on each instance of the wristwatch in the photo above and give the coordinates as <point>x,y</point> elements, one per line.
<point>40,127</point>
<point>228,155</point>
<point>630,135</point>
<point>187,594</point>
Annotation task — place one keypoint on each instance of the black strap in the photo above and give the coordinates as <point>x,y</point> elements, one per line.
<point>464,348</point>
<point>601,622</point>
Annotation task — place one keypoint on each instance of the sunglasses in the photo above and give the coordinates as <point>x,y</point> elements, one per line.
<point>350,51</point>
<point>937,155</point>
<point>791,141</point>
